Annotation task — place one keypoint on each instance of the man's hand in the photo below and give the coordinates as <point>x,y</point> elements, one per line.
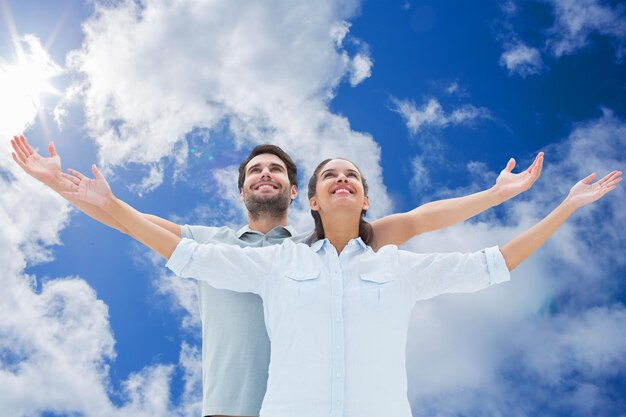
<point>585,192</point>
<point>94,191</point>
<point>44,169</point>
<point>509,185</point>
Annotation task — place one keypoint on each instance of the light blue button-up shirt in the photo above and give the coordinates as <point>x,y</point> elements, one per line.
<point>337,323</point>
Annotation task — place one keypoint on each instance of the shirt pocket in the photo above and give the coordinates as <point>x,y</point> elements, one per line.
<point>377,289</point>
<point>302,286</point>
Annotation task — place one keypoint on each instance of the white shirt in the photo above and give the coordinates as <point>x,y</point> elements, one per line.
<point>337,324</point>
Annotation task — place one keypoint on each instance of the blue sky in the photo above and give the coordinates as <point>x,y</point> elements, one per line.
<point>429,98</point>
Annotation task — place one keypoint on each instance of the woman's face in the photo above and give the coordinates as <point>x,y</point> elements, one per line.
<point>339,187</point>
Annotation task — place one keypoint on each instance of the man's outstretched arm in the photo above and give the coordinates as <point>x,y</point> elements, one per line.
<point>582,193</point>
<point>48,171</point>
<point>396,229</point>
<point>97,193</point>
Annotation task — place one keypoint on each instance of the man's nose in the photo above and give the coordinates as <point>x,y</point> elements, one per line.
<point>265,172</point>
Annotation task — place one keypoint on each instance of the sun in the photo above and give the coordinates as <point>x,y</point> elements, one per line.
<point>24,82</point>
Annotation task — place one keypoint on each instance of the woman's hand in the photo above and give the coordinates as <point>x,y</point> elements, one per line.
<point>585,192</point>
<point>94,191</point>
<point>509,184</point>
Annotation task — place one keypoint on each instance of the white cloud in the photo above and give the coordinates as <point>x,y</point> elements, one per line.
<point>150,182</point>
<point>521,59</point>
<point>360,68</point>
<point>577,20</point>
<point>57,343</point>
<point>452,88</point>
<point>153,73</point>
<point>554,329</point>
<point>432,114</point>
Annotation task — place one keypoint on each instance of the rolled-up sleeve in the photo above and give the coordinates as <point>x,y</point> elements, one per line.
<point>430,275</point>
<point>222,266</point>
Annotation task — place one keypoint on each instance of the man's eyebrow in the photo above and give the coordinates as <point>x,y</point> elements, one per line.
<point>253,166</point>
<point>272,165</point>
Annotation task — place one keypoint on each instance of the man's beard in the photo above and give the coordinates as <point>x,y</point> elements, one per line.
<point>274,207</point>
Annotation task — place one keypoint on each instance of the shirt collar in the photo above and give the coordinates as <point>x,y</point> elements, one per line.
<point>246,229</point>
<point>357,242</point>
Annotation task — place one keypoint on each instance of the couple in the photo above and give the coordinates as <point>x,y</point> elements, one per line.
<point>337,312</point>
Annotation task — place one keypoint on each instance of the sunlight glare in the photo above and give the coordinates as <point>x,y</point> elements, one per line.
<point>23,83</point>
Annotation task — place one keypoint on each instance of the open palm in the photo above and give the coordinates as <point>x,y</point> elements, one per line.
<point>45,169</point>
<point>510,184</point>
<point>585,192</point>
<point>94,191</point>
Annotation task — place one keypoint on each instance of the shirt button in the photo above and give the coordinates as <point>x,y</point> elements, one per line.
<point>338,374</point>
<point>338,403</point>
<point>338,346</point>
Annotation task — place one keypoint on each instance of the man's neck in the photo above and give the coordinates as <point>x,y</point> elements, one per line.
<point>264,224</point>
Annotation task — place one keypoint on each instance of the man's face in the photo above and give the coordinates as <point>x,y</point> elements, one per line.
<point>266,188</point>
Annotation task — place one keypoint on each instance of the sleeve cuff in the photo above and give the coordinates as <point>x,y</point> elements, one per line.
<point>181,255</point>
<point>498,271</point>
<point>185,231</point>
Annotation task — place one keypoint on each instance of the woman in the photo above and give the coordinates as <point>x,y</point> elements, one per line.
<point>338,313</point>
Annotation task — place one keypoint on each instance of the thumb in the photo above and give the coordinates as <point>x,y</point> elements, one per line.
<point>96,172</point>
<point>51,149</point>
<point>510,165</point>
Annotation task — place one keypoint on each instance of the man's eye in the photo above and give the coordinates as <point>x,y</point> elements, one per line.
<point>277,169</point>
<point>254,170</point>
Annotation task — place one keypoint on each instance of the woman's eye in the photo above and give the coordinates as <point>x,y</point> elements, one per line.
<point>327,174</point>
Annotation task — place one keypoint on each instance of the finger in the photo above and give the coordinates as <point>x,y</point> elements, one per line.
<point>612,182</point>
<point>22,149</point>
<point>74,180</point>
<point>588,179</point>
<point>533,165</point>
<point>19,161</point>
<point>609,177</point>
<point>52,149</point>
<point>539,166</point>
<point>510,165</point>
<point>607,190</point>
<point>535,168</point>
<point>96,173</point>
<point>26,146</point>
<point>18,150</point>
<point>76,174</point>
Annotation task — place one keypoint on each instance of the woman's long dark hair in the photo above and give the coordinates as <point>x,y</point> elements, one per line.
<point>366,233</point>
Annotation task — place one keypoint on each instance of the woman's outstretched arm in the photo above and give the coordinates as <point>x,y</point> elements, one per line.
<point>582,193</point>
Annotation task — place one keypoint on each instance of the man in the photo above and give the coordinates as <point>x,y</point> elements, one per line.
<point>235,345</point>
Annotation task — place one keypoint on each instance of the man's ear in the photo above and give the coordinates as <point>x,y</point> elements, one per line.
<point>313,204</point>
<point>241,194</point>
<point>294,192</point>
<point>366,203</point>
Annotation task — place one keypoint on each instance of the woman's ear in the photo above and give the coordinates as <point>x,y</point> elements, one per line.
<point>313,204</point>
<point>366,203</point>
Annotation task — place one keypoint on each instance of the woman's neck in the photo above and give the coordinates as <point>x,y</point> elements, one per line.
<point>339,231</point>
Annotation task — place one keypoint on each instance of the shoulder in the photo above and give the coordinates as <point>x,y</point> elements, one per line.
<point>207,234</point>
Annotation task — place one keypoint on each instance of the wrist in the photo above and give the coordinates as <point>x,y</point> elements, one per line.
<point>110,204</point>
<point>570,204</point>
<point>497,195</point>
<point>57,182</point>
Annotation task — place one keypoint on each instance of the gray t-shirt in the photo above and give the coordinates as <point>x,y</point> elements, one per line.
<point>235,345</point>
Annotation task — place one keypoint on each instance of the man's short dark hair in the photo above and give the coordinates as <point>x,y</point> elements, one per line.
<point>292,171</point>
